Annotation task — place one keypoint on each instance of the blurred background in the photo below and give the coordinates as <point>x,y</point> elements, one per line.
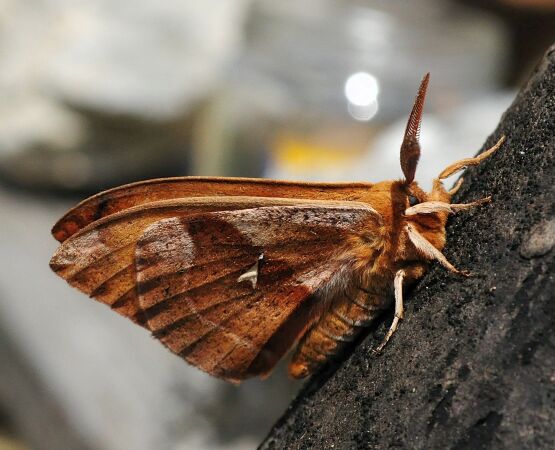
<point>97,93</point>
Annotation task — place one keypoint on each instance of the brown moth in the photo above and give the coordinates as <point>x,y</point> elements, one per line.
<point>230,273</point>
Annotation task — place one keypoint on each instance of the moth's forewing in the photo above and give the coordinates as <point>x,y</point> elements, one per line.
<point>99,260</point>
<point>188,288</point>
<point>135,194</point>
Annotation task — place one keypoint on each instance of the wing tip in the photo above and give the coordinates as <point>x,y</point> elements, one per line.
<point>63,229</point>
<point>58,262</point>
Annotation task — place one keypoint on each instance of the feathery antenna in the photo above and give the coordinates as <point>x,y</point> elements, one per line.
<point>410,149</point>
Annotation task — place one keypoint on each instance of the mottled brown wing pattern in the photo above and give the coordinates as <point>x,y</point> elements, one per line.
<point>99,259</point>
<point>188,288</point>
<point>132,195</point>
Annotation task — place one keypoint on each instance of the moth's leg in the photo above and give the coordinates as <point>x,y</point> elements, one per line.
<point>440,258</point>
<point>456,207</point>
<point>464,163</point>
<point>428,250</point>
<point>450,208</point>
<point>457,186</point>
<point>399,311</point>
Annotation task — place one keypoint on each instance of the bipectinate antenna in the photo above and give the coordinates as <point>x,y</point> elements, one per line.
<point>410,148</point>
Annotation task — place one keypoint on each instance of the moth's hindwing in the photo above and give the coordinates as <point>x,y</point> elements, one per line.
<point>190,295</point>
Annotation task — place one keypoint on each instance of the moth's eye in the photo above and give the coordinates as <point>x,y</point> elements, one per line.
<point>413,200</point>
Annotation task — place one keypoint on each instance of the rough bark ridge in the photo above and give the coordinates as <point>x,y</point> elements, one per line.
<point>473,363</point>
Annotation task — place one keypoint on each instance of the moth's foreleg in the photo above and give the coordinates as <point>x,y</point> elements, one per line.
<point>457,186</point>
<point>456,207</point>
<point>399,311</point>
<point>450,208</point>
<point>464,163</point>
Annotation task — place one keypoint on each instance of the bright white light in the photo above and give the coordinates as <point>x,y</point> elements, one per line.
<point>361,89</point>
<point>363,113</point>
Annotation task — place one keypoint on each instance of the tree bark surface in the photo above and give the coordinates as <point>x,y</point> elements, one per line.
<point>473,363</point>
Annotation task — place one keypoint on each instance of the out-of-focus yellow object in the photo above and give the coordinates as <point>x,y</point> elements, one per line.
<point>315,156</point>
<point>8,443</point>
<point>303,154</point>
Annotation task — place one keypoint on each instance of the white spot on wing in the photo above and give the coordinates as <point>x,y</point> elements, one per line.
<point>252,274</point>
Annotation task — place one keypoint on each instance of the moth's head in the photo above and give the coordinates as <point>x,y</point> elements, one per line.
<point>421,216</point>
<point>427,211</point>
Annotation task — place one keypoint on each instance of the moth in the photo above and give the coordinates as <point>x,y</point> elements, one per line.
<point>230,273</point>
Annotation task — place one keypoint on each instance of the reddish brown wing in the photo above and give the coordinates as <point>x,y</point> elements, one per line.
<point>189,293</point>
<point>99,259</point>
<point>135,194</point>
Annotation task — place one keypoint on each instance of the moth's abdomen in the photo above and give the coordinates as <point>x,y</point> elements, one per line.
<point>340,324</point>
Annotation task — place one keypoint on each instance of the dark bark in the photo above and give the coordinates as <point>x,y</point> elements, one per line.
<point>473,363</point>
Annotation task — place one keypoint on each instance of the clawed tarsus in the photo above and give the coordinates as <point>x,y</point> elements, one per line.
<point>462,206</point>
